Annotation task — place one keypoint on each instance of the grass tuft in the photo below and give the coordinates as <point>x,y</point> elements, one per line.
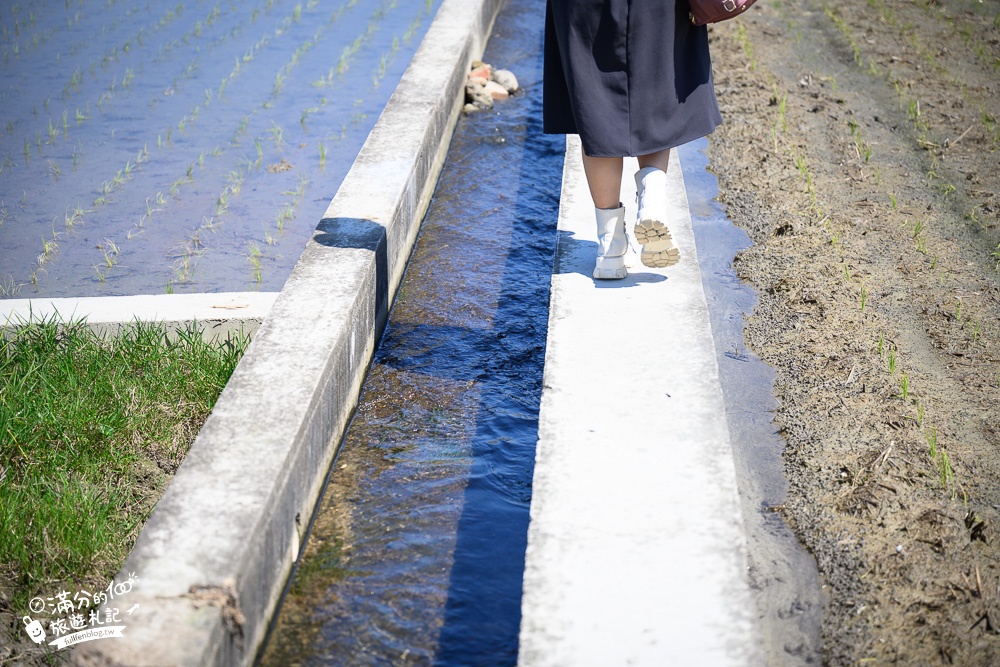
<point>91,428</point>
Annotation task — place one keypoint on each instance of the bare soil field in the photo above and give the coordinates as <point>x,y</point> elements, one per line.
<point>860,152</point>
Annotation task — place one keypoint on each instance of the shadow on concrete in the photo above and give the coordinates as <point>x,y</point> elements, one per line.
<point>577,256</point>
<point>363,235</point>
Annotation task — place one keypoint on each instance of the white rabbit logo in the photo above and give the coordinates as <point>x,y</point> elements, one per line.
<point>35,630</point>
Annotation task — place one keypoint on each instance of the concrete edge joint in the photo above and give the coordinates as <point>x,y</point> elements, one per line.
<point>210,564</point>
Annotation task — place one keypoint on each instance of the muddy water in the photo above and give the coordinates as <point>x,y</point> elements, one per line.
<point>417,553</point>
<point>184,146</point>
<point>783,575</point>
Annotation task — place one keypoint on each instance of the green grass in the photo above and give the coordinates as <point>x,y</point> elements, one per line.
<point>90,430</point>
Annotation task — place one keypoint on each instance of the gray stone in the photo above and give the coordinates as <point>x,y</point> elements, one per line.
<point>477,94</point>
<point>506,79</point>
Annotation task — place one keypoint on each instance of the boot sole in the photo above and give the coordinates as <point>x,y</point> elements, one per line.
<point>658,249</point>
<point>610,268</point>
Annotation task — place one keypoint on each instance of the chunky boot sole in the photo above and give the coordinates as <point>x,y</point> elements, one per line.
<point>610,268</point>
<point>658,249</point>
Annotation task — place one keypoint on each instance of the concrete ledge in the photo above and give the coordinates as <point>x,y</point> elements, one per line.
<point>219,315</point>
<point>212,560</point>
<point>636,547</point>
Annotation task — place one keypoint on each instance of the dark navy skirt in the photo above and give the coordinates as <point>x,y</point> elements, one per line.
<point>631,77</point>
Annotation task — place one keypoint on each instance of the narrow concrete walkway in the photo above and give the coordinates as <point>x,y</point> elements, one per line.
<point>636,547</point>
<point>218,315</point>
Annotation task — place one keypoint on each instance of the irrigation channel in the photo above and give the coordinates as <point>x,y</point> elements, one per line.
<point>184,146</point>
<point>416,553</point>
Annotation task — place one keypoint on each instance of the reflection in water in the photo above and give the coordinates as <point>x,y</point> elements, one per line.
<point>417,552</point>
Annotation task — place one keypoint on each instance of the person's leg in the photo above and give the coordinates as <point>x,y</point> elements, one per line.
<point>658,159</point>
<point>658,249</point>
<point>604,176</point>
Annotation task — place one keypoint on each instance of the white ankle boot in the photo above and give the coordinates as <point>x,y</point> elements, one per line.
<point>658,249</point>
<point>611,244</point>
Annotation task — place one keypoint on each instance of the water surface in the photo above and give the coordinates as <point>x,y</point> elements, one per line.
<point>185,146</point>
<point>416,556</point>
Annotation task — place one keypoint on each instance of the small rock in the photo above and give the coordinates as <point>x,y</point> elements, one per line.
<point>496,91</point>
<point>506,79</point>
<point>483,71</point>
<point>478,95</point>
<point>478,80</point>
<point>470,108</point>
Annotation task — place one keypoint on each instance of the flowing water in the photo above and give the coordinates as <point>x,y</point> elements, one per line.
<point>189,145</point>
<point>417,552</point>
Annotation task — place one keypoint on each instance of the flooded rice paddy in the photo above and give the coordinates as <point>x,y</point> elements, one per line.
<point>187,146</point>
<point>416,555</point>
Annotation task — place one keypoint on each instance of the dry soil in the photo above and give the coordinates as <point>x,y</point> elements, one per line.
<point>860,152</point>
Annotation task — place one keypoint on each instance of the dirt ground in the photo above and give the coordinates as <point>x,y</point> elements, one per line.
<point>860,152</point>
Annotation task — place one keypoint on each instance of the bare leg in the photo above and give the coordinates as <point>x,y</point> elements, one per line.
<point>604,176</point>
<point>658,160</point>
<point>658,249</point>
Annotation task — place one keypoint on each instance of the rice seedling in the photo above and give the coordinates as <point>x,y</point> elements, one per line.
<point>904,387</point>
<point>175,187</point>
<point>50,246</point>
<point>254,259</point>
<point>284,213</point>
<point>322,155</point>
<point>803,168</point>
<point>9,288</point>
<point>235,180</point>
<point>305,115</point>
<point>891,360</point>
<point>864,296</point>
<point>110,252</point>
<point>222,203</point>
<point>944,467</point>
<point>277,134</point>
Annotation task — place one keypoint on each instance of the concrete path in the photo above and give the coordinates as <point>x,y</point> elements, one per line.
<point>217,314</point>
<point>636,547</point>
